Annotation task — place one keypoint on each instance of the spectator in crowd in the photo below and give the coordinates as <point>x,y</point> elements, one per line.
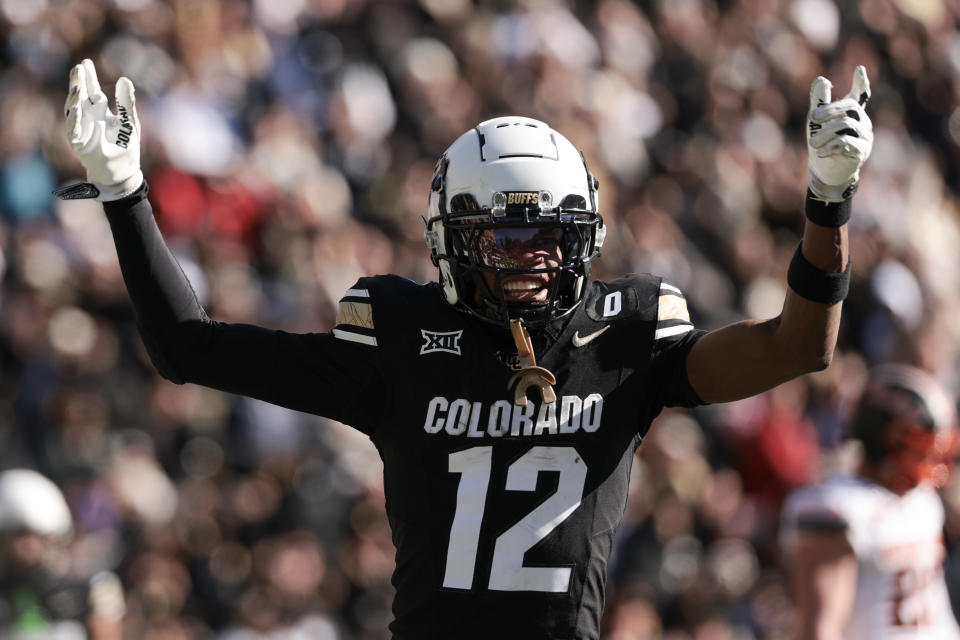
<point>42,593</point>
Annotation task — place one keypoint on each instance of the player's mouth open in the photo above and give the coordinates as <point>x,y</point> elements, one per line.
<point>525,288</point>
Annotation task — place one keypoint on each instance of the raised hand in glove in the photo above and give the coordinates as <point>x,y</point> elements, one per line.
<point>107,144</point>
<point>839,138</point>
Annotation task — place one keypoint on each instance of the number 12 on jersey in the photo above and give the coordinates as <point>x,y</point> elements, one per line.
<point>507,572</point>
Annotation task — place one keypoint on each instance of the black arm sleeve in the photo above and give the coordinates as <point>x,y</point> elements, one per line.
<point>309,372</point>
<point>161,294</point>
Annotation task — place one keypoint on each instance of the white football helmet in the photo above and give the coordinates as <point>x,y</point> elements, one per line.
<point>502,189</point>
<point>31,502</point>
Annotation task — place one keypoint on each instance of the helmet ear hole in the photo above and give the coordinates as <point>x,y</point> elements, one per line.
<point>463,202</point>
<point>573,201</point>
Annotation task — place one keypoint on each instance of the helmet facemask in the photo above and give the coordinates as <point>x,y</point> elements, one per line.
<point>907,424</point>
<point>922,454</point>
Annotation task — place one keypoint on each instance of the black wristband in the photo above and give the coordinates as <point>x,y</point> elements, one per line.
<point>811,283</point>
<point>127,201</point>
<point>827,214</point>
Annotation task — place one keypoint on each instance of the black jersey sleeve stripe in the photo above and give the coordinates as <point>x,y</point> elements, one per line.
<point>672,327</point>
<point>673,318</point>
<point>346,326</point>
<point>352,332</point>
<point>353,335</point>
<point>675,330</point>
<point>672,322</point>
<point>670,290</point>
<point>354,321</point>
<point>357,295</point>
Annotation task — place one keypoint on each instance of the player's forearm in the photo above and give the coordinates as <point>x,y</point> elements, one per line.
<point>168,312</point>
<point>810,320</point>
<point>826,248</point>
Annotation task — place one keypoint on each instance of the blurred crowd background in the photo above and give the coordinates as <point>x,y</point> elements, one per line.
<point>289,146</point>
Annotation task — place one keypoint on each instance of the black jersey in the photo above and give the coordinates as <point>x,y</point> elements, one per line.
<point>502,512</point>
<point>503,516</point>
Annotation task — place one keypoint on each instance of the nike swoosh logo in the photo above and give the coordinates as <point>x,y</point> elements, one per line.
<point>590,337</point>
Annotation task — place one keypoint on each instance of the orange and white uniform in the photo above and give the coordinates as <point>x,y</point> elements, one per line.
<point>898,542</point>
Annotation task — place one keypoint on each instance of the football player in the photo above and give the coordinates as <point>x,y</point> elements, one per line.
<point>866,550</point>
<point>507,399</point>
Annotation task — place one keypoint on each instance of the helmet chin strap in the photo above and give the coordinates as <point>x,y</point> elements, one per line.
<point>530,375</point>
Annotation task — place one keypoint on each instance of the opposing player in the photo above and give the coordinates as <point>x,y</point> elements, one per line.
<point>507,399</point>
<point>866,551</point>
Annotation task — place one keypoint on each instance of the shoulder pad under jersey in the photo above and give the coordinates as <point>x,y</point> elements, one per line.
<point>378,307</point>
<point>640,297</point>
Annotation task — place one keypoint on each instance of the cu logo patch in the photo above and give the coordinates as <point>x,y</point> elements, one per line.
<point>447,342</point>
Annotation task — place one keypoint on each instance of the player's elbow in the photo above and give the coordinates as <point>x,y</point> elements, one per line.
<point>806,351</point>
<point>163,360</point>
<point>176,353</point>
<point>818,360</point>
<point>801,362</point>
